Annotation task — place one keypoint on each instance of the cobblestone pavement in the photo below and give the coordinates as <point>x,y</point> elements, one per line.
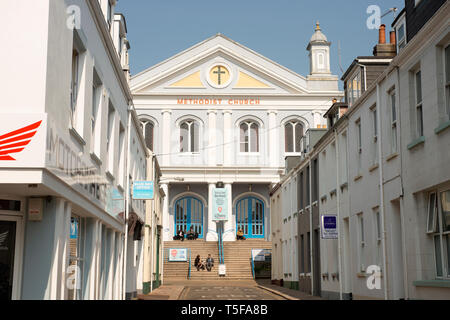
<point>227,293</point>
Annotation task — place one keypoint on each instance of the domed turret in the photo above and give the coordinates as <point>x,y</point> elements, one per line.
<point>319,53</point>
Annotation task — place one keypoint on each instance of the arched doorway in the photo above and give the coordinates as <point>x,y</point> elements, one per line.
<point>250,217</point>
<point>189,213</point>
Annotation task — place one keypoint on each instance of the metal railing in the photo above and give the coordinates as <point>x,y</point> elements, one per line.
<point>220,243</point>
<point>253,267</point>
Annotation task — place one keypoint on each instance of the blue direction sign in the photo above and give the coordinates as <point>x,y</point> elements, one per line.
<point>143,190</point>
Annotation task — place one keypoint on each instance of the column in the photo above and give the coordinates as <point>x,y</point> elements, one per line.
<point>167,137</point>
<point>230,224</point>
<point>90,257</point>
<point>212,230</point>
<point>212,137</point>
<point>274,145</point>
<point>65,253</point>
<point>167,236</point>
<point>112,265</point>
<point>228,144</point>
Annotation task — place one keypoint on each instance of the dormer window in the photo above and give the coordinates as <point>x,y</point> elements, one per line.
<point>354,89</point>
<point>401,36</point>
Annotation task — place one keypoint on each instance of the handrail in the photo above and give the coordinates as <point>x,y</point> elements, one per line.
<point>220,243</point>
<point>253,267</point>
<point>189,273</point>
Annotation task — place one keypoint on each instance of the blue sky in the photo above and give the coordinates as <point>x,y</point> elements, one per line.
<point>277,29</point>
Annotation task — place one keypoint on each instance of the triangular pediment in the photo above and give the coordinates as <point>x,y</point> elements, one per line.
<point>218,66</point>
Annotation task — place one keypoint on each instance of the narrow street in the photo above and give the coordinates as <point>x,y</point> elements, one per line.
<point>226,292</point>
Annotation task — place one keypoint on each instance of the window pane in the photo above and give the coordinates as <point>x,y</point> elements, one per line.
<point>418,87</point>
<point>447,64</point>
<point>401,32</point>
<point>447,241</point>
<point>298,137</point>
<point>184,137</point>
<point>445,203</point>
<point>288,137</point>
<point>419,121</point>
<point>194,137</point>
<point>431,227</point>
<point>437,253</point>
<point>244,137</point>
<point>394,112</point>
<point>254,136</point>
<point>149,135</point>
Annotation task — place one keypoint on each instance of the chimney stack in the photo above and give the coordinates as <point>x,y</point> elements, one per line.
<point>383,49</point>
<point>382,34</point>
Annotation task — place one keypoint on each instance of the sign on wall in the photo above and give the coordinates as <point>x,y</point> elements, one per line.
<point>143,190</point>
<point>177,254</point>
<point>73,228</point>
<point>328,226</point>
<point>220,204</point>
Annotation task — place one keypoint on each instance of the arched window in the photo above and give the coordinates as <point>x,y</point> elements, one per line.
<point>189,136</point>
<point>293,133</point>
<point>249,136</point>
<point>147,130</point>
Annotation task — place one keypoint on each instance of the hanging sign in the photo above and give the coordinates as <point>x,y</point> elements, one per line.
<point>73,229</point>
<point>220,204</point>
<point>328,226</point>
<point>143,190</point>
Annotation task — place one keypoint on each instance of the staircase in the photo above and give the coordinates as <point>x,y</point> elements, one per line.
<point>237,256</point>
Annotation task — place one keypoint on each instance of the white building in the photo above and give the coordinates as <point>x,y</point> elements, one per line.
<point>220,112</point>
<point>64,118</point>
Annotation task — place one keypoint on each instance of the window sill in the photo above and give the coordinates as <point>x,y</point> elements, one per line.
<point>77,136</point>
<point>96,159</point>
<point>432,283</point>
<point>416,142</point>
<point>332,192</point>
<point>359,176</point>
<point>442,127</point>
<point>343,186</point>
<point>392,156</point>
<point>374,167</point>
<point>323,198</point>
<point>249,154</point>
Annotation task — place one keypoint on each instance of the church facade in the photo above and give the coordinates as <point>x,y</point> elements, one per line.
<point>221,116</point>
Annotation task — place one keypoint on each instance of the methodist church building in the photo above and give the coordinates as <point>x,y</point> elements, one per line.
<point>219,115</point>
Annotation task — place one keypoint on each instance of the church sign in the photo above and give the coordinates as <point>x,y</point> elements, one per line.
<point>220,204</point>
<point>216,101</point>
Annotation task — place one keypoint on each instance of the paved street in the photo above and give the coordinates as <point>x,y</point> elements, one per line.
<point>227,293</point>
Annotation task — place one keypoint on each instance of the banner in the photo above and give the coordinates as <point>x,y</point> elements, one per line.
<point>177,254</point>
<point>220,204</point>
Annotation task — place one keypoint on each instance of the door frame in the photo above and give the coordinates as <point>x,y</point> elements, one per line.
<point>250,220</point>
<point>189,214</point>
<point>18,250</point>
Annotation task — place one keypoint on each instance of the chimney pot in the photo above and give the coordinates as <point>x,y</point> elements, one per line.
<point>392,37</point>
<point>382,37</point>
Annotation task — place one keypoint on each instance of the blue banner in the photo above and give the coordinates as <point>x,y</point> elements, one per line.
<point>143,190</point>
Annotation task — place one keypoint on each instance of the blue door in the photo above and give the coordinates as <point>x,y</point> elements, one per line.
<point>189,213</point>
<point>250,217</point>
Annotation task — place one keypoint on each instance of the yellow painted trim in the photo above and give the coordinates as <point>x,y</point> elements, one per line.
<point>191,81</point>
<point>246,81</point>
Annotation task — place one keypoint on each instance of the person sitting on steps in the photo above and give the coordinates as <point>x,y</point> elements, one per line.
<point>209,263</point>
<point>240,235</point>
<point>179,236</point>
<point>198,263</point>
<point>191,235</point>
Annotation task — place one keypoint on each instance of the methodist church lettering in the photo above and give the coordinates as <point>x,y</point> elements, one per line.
<point>215,102</point>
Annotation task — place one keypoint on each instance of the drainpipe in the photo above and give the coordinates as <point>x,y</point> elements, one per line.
<point>311,228</point>
<point>152,226</point>
<point>382,213</point>
<point>338,220</point>
<point>127,199</point>
<point>402,205</point>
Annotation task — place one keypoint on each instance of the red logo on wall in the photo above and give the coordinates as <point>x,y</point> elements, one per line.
<point>15,141</point>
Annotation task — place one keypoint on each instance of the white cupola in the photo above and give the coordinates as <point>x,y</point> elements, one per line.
<point>319,53</point>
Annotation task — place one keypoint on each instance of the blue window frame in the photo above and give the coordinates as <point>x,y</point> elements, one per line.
<point>250,217</point>
<point>189,213</point>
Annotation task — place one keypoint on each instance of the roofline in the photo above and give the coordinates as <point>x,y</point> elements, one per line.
<point>228,39</point>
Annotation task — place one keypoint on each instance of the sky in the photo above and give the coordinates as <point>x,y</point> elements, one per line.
<point>278,29</point>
